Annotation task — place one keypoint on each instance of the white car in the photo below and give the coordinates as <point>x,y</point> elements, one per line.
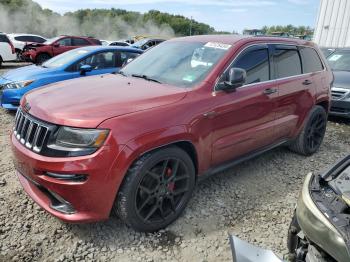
<point>20,40</point>
<point>7,50</point>
<point>114,43</point>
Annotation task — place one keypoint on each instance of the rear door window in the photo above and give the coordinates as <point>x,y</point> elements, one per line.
<point>287,62</point>
<point>65,42</point>
<point>80,42</point>
<point>21,38</point>
<point>256,64</point>
<point>311,60</point>
<point>97,61</point>
<point>39,39</point>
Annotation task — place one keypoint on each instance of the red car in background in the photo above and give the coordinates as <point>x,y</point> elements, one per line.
<point>39,53</point>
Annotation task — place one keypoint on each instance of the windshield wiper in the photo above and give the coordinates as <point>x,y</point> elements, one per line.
<point>120,72</point>
<point>146,78</point>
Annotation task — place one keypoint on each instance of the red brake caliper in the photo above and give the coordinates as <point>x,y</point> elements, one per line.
<point>171,185</point>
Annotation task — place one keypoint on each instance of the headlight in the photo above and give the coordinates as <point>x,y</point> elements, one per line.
<point>77,141</point>
<point>19,84</point>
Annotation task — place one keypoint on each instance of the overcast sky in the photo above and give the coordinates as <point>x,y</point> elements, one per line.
<point>227,15</point>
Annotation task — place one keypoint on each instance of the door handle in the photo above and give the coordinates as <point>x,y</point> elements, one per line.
<point>270,91</point>
<point>210,114</point>
<point>307,82</point>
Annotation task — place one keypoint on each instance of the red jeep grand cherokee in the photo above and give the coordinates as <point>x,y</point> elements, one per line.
<point>138,141</point>
<point>39,53</point>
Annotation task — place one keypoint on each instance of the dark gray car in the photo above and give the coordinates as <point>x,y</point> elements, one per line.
<point>340,64</point>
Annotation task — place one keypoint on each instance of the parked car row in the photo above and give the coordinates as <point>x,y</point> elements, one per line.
<point>136,142</point>
<point>19,41</point>
<point>37,49</point>
<point>85,61</point>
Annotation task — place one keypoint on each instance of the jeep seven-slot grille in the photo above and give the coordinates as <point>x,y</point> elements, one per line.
<point>29,131</point>
<point>339,93</point>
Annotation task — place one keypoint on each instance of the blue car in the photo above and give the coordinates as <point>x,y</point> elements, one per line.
<point>80,62</point>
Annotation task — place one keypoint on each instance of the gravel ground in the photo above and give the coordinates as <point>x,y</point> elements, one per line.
<point>254,201</point>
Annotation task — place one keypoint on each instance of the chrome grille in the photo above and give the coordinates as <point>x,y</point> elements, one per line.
<point>29,131</point>
<point>339,93</point>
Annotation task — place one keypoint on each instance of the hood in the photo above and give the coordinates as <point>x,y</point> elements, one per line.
<point>342,79</point>
<point>31,72</point>
<point>88,101</point>
<point>33,45</point>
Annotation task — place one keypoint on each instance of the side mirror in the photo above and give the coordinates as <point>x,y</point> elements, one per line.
<point>129,60</point>
<point>56,45</point>
<point>236,78</point>
<point>85,68</point>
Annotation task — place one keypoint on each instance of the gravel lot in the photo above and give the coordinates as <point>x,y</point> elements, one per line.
<point>254,200</point>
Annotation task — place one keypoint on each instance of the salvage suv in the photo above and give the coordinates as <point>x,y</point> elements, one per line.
<point>137,142</point>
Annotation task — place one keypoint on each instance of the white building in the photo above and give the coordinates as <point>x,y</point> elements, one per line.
<point>333,24</point>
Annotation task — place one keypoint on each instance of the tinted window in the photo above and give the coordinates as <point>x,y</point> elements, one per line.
<point>100,61</point>
<point>125,56</point>
<point>3,38</point>
<point>30,38</point>
<point>80,42</point>
<point>311,60</point>
<point>39,39</point>
<point>256,64</point>
<point>287,63</point>
<point>119,44</point>
<point>65,42</point>
<point>21,38</point>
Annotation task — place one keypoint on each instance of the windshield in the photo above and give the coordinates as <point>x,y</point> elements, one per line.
<point>50,41</point>
<point>65,58</point>
<point>177,63</point>
<point>340,60</point>
<point>141,42</point>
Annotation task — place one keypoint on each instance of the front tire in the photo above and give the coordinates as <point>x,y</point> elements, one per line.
<point>311,136</point>
<point>41,58</point>
<point>156,189</point>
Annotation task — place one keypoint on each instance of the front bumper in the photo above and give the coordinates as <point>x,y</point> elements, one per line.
<point>9,98</point>
<point>340,108</point>
<point>316,226</point>
<point>29,55</point>
<point>88,201</point>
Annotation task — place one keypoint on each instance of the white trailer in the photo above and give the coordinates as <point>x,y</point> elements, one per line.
<point>333,24</point>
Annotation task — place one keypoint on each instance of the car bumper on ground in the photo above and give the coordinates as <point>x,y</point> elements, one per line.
<point>75,201</point>
<point>340,108</point>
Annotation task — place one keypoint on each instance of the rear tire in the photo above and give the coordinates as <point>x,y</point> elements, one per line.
<point>0,61</point>
<point>156,189</point>
<point>41,58</point>
<point>311,136</point>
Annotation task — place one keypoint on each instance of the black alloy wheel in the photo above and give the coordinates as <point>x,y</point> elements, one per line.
<point>316,132</point>
<point>156,189</point>
<point>311,136</point>
<point>161,192</point>
<point>41,58</point>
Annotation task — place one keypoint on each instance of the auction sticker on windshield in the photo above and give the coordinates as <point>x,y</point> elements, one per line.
<point>217,45</point>
<point>335,57</point>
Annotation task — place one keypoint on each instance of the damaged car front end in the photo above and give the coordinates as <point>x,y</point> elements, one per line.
<point>320,229</point>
